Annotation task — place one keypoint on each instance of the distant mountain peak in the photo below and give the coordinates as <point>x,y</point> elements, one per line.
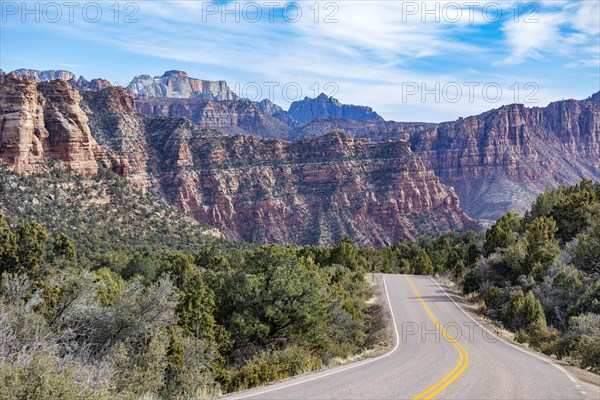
<point>177,84</point>
<point>175,73</point>
<point>307,110</point>
<point>324,96</point>
<point>50,75</point>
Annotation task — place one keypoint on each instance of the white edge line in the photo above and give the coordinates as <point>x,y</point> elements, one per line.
<point>564,371</point>
<point>358,364</point>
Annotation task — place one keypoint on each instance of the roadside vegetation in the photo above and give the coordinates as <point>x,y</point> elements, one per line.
<point>124,298</point>
<point>538,275</point>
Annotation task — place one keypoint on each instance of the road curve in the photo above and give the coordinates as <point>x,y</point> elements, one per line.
<point>440,352</point>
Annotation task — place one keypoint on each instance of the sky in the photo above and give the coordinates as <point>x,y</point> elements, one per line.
<point>408,60</point>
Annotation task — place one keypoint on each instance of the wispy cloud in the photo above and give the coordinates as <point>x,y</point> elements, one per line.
<point>565,29</point>
<point>72,65</point>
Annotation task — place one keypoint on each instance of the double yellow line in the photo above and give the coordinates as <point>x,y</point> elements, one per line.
<point>463,360</point>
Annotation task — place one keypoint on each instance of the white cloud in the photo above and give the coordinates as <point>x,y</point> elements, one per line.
<point>567,29</point>
<point>71,65</point>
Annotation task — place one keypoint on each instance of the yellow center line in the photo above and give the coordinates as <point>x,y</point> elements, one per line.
<point>463,360</point>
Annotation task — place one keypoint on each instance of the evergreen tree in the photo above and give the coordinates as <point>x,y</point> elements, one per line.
<point>470,284</point>
<point>346,254</point>
<point>9,247</point>
<point>64,247</point>
<point>503,233</point>
<point>422,264</point>
<point>458,269</point>
<point>542,246</point>
<point>472,254</point>
<point>32,248</point>
<point>586,255</point>
<point>522,310</point>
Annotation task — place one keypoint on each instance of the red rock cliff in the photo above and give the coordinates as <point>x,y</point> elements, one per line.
<point>41,121</point>
<point>269,190</point>
<point>501,159</point>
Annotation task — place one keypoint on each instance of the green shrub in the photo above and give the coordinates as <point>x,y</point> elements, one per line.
<point>493,298</point>
<point>522,310</point>
<point>470,284</point>
<point>42,376</point>
<point>269,366</point>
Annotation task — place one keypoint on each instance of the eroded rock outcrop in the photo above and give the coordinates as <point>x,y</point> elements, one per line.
<point>80,83</point>
<point>42,121</point>
<point>44,76</point>
<point>95,84</point>
<point>177,84</point>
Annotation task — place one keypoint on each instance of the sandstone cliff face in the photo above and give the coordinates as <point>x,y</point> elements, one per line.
<point>499,160</point>
<point>41,121</point>
<point>268,190</point>
<point>309,192</point>
<point>117,126</point>
<point>309,109</point>
<point>232,117</point>
<point>177,84</point>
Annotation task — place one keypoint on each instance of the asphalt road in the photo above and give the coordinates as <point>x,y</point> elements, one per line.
<point>440,352</point>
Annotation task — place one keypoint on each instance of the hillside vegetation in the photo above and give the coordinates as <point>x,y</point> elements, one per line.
<point>540,275</point>
<point>103,214</point>
<point>105,293</point>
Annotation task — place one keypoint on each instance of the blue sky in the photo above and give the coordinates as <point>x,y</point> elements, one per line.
<point>410,61</point>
